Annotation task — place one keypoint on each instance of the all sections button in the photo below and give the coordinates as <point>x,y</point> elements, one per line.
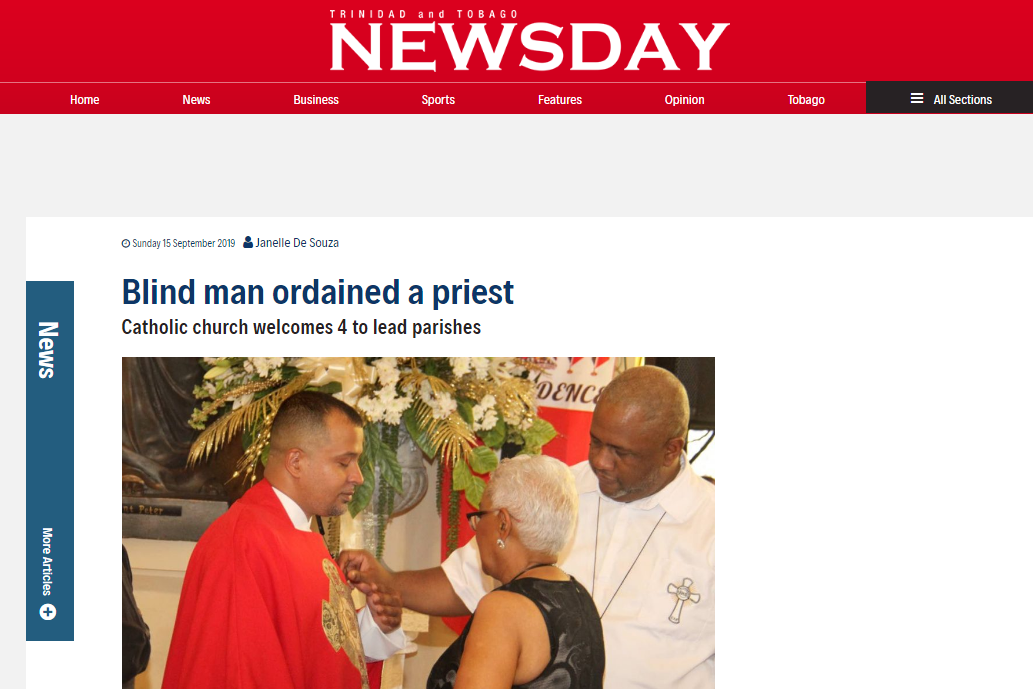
<point>949,97</point>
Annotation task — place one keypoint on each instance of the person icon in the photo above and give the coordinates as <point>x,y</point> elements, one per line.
<point>247,242</point>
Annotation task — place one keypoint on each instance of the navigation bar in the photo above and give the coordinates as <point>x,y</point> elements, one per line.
<point>913,97</point>
<point>433,97</point>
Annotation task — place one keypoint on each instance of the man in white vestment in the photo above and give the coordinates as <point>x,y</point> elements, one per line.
<point>643,547</point>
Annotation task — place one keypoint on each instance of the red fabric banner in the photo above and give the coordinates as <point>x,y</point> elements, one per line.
<point>567,392</point>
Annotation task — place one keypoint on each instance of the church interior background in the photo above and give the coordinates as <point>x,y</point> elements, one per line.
<point>168,500</point>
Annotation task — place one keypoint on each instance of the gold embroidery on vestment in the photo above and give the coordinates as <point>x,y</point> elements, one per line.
<point>340,623</point>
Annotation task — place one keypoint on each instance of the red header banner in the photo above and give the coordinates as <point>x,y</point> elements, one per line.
<point>603,57</point>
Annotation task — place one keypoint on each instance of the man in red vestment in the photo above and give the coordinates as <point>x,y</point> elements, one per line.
<point>263,603</point>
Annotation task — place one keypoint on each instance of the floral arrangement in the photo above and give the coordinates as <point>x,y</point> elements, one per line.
<point>459,411</point>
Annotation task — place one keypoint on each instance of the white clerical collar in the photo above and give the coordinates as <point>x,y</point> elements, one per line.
<point>294,511</point>
<point>679,498</point>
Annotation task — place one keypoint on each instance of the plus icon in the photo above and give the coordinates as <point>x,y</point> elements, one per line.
<point>47,611</point>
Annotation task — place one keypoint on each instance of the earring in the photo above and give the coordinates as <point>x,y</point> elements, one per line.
<point>501,543</point>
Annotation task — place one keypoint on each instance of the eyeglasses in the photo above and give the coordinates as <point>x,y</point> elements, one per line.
<point>474,518</point>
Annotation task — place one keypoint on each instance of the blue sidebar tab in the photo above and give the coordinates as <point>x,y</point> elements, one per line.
<point>49,459</point>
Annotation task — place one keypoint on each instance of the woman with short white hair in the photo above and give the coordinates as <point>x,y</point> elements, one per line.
<point>540,628</point>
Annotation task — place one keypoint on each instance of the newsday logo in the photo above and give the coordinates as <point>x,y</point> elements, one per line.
<point>410,42</point>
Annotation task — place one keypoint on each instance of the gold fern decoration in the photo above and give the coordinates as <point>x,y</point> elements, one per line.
<point>213,438</point>
<point>249,460</point>
<point>414,379</point>
<point>247,389</point>
<point>529,364</point>
<point>514,397</point>
<point>451,438</point>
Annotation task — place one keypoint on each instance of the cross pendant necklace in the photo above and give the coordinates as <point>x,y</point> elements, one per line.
<point>595,557</point>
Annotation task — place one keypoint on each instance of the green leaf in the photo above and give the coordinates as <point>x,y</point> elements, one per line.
<point>417,435</point>
<point>370,446</point>
<point>475,491</point>
<point>329,388</point>
<point>465,409</point>
<point>360,499</point>
<point>264,456</point>
<point>390,470</point>
<point>461,476</point>
<point>368,473</point>
<point>484,460</point>
<point>540,432</point>
<point>375,452</point>
<point>494,437</point>
<point>363,493</point>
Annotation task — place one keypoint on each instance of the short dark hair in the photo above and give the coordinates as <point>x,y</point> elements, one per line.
<point>306,410</point>
<point>657,393</point>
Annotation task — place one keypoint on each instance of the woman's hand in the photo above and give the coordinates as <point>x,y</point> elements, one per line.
<point>363,571</point>
<point>386,607</point>
<point>424,590</point>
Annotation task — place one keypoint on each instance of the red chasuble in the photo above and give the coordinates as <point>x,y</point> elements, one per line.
<point>264,605</point>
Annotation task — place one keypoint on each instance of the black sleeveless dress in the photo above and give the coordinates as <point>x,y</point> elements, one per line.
<point>576,657</point>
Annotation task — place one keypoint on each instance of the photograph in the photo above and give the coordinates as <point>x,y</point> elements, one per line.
<point>420,522</point>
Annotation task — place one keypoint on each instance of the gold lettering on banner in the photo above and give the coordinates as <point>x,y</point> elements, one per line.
<point>340,623</point>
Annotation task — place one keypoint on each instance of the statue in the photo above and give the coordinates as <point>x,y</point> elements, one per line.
<point>157,400</point>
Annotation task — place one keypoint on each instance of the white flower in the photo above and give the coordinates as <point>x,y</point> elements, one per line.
<point>460,366</point>
<point>262,365</point>
<point>480,366</point>
<point>448,406</point>
<point>218,373</point>
<point>426,394</point>
<point>387,371</point>
<point>385,405</point>
<point>243,400</point>
<point>504,368</point>
<point>394,408</point>
<point>373,407</point>
<point>441,405</point>
<point>488,422</point>
<point>484,415</point>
